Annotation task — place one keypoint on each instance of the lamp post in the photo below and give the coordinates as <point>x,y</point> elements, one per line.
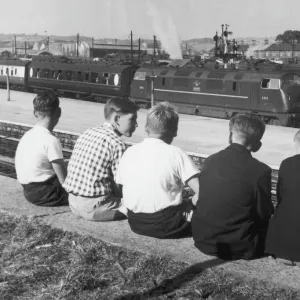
<point>152,77</point>
<point>8,89</point>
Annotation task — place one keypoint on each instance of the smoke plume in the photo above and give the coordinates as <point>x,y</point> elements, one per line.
<point>165,28</point>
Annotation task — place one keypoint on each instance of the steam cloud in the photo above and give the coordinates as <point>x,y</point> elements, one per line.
<point>165,29</point>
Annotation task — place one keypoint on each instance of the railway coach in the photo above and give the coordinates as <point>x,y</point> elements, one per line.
<point>83,78</point>
<point>17,71</point>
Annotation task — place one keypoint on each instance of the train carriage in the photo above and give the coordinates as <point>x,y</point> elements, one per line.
<point>271,92</point>
<point>17,71</point>
<point>81,77</point>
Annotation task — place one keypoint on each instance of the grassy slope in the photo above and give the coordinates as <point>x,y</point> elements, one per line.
<point>39,262</point>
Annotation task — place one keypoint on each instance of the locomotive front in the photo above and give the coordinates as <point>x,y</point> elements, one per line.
<point>290,85</point>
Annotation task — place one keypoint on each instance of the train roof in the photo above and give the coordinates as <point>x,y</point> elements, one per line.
<point>12,61</point>
<point>221,74</point>
<point>81,66</point>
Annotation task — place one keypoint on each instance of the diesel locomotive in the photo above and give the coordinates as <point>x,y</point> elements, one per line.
<point>270,90</point>
<point>266,89</point>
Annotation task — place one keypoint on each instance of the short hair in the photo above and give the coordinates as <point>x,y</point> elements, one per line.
<point>46,103</point>
<point>121,105</point>
<point>297,138</point>
<point>162,118</point>
<point>249,127</point>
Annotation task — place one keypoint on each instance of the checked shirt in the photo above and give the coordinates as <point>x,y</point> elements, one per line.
<point>94,162</point>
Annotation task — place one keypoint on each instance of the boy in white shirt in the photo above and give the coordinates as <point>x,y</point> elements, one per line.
<point>152,175</point>
<point>39,160</point>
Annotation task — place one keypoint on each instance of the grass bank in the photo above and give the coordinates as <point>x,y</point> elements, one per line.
<point>40,262</point>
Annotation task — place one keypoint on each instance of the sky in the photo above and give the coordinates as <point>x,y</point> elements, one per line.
<point>175,19</point>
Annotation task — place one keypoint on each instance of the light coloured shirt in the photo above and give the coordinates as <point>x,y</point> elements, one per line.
<point>35,152</point>
<point>153,174</point>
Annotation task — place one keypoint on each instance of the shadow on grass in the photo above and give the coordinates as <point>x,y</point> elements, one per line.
<point>169,285</point>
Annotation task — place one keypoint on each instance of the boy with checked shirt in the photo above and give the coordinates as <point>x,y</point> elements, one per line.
<point>93,193</point>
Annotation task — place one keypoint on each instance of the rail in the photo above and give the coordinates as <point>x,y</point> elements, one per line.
<point>11,133</point>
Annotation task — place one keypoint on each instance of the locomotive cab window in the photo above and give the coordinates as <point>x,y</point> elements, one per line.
<point>270,83</point>
<point>140,76</point>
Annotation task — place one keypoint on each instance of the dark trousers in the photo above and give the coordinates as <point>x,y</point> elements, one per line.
<point>48,193</point>
<point>168,223</point>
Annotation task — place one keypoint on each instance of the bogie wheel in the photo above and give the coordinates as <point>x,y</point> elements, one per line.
<point>275,122</point>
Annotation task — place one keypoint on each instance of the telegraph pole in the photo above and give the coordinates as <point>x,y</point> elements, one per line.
<point>131,46</point>
<point>152,77</point>
<point>7,81</point>
<point>139,50</point>
<point>15,42</point>
<point>154,50</point>
<point>48,41</point>
<point>77,44</point>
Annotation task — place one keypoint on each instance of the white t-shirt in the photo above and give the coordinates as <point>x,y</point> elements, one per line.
<point>153,174</point>
<point>36,149</point>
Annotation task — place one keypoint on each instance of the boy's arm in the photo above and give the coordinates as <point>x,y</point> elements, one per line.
<point>193,183</point>
<point>60,169</point>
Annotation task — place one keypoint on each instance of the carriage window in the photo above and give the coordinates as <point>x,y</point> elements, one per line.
<point>46,73</point>
<point>234,86</point>
<point>139,75</point>
<point>16,71</point>
<point>33,72</point>
<point>1,71</point>
<point>163,82</point>
<point>77,76</point>
<point>11,72</point>
<point>59,75</point>
<point>269,83</point>
<point>94,77</point>
<point>69,75</point>
<point>86,76</point>
<point>53,75</point>
<point>7,71</point>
